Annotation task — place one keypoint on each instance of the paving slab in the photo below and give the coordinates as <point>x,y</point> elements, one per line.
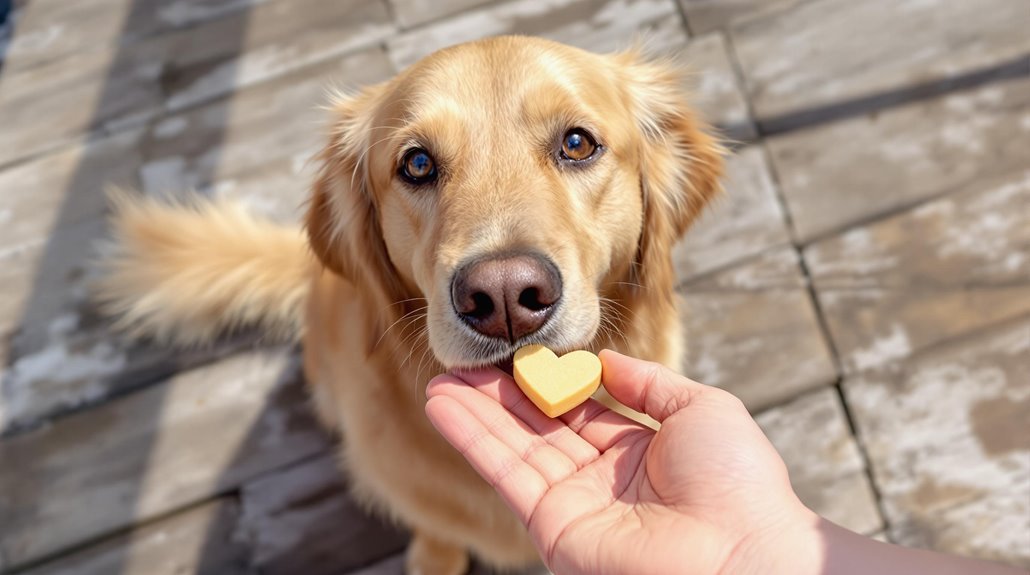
<point>826,468</point>
<point>49,30</point>
<point>58,104</point>
<point>852,171</point>
<point>773,269</point>
<point>109,89</point>
<point>278,123</point>
<point>945,432</point>
<point>707,15</point>
<point>201,433</point>
<point>56,353</point>
<point>411,13</point>
<point>744,221</point>
<point>950,266</point>
<point>198,540</point>
<point>828,52</point>
<point>272,39</point>
<point>62,190</point>
<point>302,520</point>
<point>711,82</point>
<point>597,25</point>
<point>763,344</point>
<point>715,89</point>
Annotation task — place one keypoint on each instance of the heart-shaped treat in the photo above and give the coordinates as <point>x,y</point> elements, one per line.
<point>555,384</point>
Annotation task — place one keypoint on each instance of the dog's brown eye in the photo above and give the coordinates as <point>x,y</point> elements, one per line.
<point>577,145</point>
<point>418,167</point>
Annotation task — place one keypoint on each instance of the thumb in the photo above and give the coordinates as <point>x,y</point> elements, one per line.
<point>646,386</point>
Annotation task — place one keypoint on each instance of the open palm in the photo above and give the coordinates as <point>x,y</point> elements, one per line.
<point>601,493</point>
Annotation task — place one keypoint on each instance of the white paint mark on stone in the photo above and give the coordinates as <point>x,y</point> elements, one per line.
<point>1014,261</point>
<point>905,150</point>
<point>171,127</point>
<point>63,325</point>
<point>924,432</point>
<point>57,376</point>
<point>894,345</point>
<point>963,137</point>
<point>164,175</point>
<point>38,40</point>
<point>933,210</point>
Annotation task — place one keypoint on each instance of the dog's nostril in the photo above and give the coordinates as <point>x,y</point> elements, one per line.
<point>506,297</point>
<point>530,299</point>
<point>482,305</point>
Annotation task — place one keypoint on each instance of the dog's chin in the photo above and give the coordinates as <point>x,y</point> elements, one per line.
<point>504,364</point>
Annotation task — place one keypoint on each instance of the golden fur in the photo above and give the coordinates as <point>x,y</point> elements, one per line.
<point>378,322</point>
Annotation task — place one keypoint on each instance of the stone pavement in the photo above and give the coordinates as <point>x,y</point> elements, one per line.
<point>864,286</point>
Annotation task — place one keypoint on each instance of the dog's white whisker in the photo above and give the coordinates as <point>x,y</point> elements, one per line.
<point>400,319</point>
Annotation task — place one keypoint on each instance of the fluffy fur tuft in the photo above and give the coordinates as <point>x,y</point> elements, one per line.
<point>185,271</point>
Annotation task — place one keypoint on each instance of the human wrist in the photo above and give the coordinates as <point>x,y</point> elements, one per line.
<point>793,544</point>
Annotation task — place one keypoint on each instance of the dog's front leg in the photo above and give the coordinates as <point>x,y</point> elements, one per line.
<point>428,555</point>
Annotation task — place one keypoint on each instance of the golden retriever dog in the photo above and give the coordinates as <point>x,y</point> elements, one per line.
<point>498,193</point>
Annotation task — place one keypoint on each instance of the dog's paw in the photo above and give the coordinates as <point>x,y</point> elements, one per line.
<point>428,556</point>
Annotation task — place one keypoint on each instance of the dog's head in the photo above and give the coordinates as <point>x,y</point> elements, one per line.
<point>516,184</point>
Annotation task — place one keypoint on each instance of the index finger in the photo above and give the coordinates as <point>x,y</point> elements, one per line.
<point>597,425</point>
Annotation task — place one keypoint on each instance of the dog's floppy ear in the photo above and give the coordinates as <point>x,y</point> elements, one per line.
<point>342,219</point>
<point>681,162</point>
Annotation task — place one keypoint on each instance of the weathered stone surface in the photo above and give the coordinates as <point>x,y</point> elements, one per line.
<point>841,173</point>
<point>948,267</point>
<point>57,354</point>
<point>278,124</point>
<point>278,190</point>
<point>706,15</point>
<point>50,106</point>
<point>44,289</point>
<point>832,51</point>
<point>746,220</point>
<point>47,106</point>
<point>946,436</point>
<point>411,13</point>
<point>200,433</point>
<point>826,469</point>
<point>763,345</point>
<point>302,520</point>
<point>598,25</point>
<point>713,83</point>
<point>774,269</point>
<point>62,190</point>
<point>198,540</point>
<point>51,29</point>
<point>272,39</point>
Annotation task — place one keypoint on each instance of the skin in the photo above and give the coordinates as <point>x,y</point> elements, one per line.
<point>705,494</point>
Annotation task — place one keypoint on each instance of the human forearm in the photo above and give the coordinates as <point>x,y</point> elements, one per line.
<point>812,545</point>
<point>845,552</point>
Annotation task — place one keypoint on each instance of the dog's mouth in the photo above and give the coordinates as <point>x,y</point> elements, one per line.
<point>479,352</point>
<point>506,365</point>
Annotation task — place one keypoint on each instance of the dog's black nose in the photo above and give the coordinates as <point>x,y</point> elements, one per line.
<point>506,296</point>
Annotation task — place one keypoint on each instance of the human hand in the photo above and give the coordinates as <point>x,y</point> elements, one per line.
<point>599,493</point>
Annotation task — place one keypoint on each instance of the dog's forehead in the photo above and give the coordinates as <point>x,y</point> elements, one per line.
<point>498,75</point>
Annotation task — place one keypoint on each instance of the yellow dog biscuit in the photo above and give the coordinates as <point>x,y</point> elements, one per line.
<point>555,384</point>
